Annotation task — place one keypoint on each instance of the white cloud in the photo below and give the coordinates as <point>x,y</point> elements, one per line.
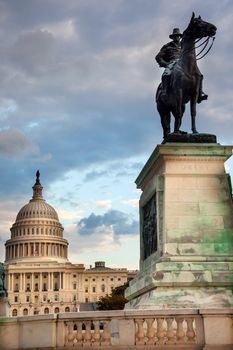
<point>133,202</point>
<point>63,29</point>
<point>107,204</point>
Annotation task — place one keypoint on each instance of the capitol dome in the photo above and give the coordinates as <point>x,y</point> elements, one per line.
<point>37,232</point>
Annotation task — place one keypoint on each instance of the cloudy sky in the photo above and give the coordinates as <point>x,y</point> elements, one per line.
<point>77,86</point>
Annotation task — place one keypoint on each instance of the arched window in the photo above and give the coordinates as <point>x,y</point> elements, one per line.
<point>46,310</point>
<point>56,310</point>
<point>67,309</point>
<point>14,312</point>
<point>25,311</point>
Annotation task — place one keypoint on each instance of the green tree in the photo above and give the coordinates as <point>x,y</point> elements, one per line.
<point>115,301</point>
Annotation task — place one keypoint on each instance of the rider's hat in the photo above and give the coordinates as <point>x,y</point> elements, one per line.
<point>176,31</point>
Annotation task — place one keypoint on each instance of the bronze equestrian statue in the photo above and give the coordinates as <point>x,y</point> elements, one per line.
<point>182,79</point>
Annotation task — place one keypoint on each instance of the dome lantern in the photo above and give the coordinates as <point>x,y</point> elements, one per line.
<point>37,188</point>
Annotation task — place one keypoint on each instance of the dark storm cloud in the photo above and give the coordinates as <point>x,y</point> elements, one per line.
<point>14,144</point>
<point>120,222</point>
<point>88,98</point>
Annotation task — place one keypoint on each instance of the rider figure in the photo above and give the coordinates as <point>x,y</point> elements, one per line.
<point>167,57</point>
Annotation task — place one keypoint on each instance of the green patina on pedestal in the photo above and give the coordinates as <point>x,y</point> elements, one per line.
<point>191,264</point>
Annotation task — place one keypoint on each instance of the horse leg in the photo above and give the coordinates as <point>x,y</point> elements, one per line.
<point>166,121</point>
<point>178,113</point>
<point>193,103</point>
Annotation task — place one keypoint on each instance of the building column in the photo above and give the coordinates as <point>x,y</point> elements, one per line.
<point>40,283</point>
<point>24,286</point>
<point>12,282</point>
<point>32,281</point>
<point>59,281</point>
<point>49,280</point>
<point>52,281</point>
<point>20,281</point>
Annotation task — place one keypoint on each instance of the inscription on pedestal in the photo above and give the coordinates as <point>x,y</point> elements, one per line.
<point>149,227</point>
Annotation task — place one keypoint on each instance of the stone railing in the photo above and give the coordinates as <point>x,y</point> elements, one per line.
<point>134,328</point>
<point>129,329</point>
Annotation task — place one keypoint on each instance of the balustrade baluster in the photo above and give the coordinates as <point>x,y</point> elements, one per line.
<point>150,334</point>
<point>190,331</point>
<point>79,336</point>
<point>96,334</point>
<point>170,331</point>
<point>87,334</point>
<point>70,333</point>
<point>140,331</point>
<point>180,334</point>
<point>106,333</point>
<point>160,331</point>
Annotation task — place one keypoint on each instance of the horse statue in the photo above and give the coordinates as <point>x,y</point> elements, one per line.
<point>185,78</point>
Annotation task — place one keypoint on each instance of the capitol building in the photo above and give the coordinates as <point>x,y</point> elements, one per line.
<point>39,277</point>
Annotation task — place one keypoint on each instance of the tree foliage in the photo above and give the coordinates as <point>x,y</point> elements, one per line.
<point>115,301</point>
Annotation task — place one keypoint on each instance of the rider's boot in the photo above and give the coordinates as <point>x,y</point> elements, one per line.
<point>202,96</point>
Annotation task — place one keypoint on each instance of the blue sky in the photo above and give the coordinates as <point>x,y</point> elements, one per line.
<point>77,86</point>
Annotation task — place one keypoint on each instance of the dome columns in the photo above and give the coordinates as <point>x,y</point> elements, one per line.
<point>35,249</point>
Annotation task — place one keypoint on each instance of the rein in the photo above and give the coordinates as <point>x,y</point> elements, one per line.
<point>199,58</point>
<point>205,43</point>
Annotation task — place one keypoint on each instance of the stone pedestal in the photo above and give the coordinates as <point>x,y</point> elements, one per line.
<point>186,229</point>
<point>4,307</point>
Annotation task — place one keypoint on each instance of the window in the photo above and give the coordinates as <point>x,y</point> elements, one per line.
<point>119,279</point>
<point>86,301</point>
<point>27,298</point>
<point>93,279</point>
<point>16,287</point>
<point>56,310</point>
<point>56,297</point>
<point>44,287</point>
<point>74,276</point>
<point>25,311</point>
<point>36,287</point>
<point>112,279</point>
<point>67,309</point>
<point>14,312</point>
<point>16,299</point>
<point>28,287</point>
<point>46,310</point>
<point>86,279</point>
<point>103,288</point>
<point>44,297</point>
<point>74,297</point>
<point>93,289</point>
<point>86,289</point>
<point>74,286</point>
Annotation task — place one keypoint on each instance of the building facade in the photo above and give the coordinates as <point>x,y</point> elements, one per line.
<point>39,277</point>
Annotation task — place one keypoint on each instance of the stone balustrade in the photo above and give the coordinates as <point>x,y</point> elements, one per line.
<point>124,329</point>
